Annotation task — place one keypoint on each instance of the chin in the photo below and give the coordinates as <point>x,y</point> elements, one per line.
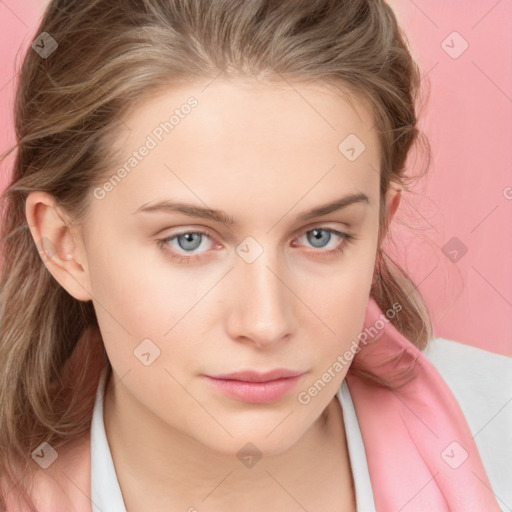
<point>255,443</point>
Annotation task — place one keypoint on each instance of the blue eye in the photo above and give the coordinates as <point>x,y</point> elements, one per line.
<point>315,238</point>
<point>189,241</point>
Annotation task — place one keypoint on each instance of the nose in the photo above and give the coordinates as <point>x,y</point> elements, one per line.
<point>261,306</point>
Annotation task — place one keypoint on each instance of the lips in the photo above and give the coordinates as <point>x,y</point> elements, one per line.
<point>254,376</point>
<point>256,387</point>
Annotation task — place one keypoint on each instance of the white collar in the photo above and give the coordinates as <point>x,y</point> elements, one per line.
<point>105,491</point>
<point>106,494</point>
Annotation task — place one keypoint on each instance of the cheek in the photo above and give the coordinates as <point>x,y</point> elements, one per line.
<point>341,293</point>
<point>340,302</point>
<point>138,297</point>
<point>129,279</point>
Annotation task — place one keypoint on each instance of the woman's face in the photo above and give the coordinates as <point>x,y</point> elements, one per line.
<point>275,288</point>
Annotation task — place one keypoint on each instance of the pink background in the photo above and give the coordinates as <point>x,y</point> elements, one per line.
<point>467,194</point>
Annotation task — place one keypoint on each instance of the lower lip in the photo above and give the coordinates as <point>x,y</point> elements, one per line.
<point>255,392</point>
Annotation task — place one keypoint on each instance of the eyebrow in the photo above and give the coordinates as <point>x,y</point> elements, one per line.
<point>192,210</point>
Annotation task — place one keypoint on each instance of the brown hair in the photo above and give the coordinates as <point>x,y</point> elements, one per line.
<point>111,55</point>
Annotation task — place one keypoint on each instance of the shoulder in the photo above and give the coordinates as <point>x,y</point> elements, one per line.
<point>481,381</point>
<point>459,357</point>
<point>64,484</point>
<point>478,377</point>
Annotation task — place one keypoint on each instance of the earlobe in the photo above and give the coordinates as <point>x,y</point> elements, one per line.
<point>57,244</point>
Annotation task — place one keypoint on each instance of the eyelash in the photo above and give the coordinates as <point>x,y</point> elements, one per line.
<point>346,240</point>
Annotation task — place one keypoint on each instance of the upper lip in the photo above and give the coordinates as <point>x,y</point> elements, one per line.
<point>254,376</point>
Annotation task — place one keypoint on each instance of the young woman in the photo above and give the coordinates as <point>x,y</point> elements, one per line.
<point>196,310</point>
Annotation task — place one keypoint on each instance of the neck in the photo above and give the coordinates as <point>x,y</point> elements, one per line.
<point>171,469</point>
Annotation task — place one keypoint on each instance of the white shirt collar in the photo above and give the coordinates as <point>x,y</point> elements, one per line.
<point>356,452</point>
<point>106,494</point>
<point>105,491</point>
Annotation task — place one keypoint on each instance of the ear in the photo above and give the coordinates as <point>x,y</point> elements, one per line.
<point>393,199</point>
<point>59,244</point>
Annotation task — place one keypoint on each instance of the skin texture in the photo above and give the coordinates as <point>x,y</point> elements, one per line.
<point>264,154</point>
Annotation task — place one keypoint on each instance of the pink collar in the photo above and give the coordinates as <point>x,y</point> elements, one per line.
<point>421,454</point>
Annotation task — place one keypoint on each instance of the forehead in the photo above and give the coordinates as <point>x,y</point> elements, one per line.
<point>251,107</point>
<point>242,139</point>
